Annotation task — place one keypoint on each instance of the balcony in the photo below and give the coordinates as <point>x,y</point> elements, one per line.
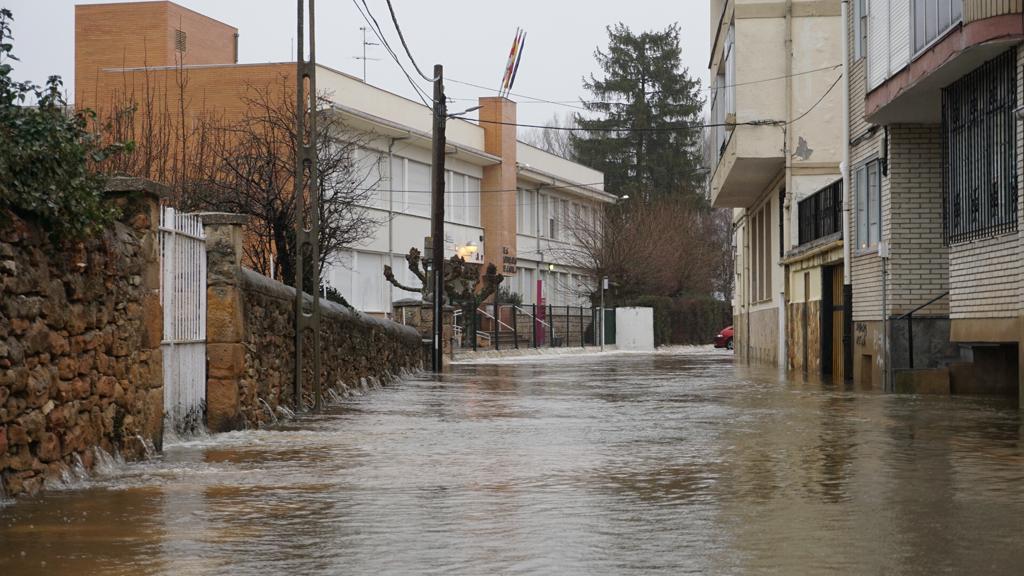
<point>751,160</point>
<point>913,93</point>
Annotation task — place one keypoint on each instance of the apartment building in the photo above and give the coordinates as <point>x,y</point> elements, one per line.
<point>507,203</point>
<point>935,144</point>
<point>775,153</point>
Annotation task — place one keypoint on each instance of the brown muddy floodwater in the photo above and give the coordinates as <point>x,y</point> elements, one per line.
<point>670,463</point>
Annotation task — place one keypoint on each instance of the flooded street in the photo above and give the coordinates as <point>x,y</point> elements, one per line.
<point>671,463</point>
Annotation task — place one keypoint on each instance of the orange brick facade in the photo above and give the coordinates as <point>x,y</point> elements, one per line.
<point>138,34</point>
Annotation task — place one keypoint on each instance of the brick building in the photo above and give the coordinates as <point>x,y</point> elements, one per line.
<point>936,169</point>
<point>507,203</point>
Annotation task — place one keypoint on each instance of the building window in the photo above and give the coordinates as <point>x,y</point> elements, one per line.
<point>860,28</point>
<point>868,187</point>
<point>761,253</point>
<point>932,18</point>
<point>820,214</point>
<point>980,173</point>
<point>417,188</point>
<point>525,209</point>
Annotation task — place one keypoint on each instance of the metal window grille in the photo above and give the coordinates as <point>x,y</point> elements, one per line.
<point>820,214</point>
<point>980,176</point>
<point>180,40</point>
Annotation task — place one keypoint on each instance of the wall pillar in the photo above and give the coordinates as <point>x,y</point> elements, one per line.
<point>139,202</point>
<point>498,188</point>
<point>225,326</point>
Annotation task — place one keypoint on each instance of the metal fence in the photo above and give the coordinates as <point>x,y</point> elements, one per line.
<point>527,326</point>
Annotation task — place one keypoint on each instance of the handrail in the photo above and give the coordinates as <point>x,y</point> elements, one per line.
<point>531,316</point>
<point>500,323</point>
<point>909,317</point>
<point>923,306</point>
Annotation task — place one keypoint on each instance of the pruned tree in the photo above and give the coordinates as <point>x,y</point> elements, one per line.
<point>463,282</point>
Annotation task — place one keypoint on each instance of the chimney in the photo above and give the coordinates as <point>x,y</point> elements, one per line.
<point>498,189</point>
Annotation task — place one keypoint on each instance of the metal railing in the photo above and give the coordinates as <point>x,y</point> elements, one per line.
<point>979,129</point>
<point>533,326</point>
<point>909,317</point>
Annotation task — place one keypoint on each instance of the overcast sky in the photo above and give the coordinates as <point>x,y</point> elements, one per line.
<point>470,37</point>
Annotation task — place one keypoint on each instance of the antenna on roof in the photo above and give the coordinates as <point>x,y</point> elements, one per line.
<point>363,57</point>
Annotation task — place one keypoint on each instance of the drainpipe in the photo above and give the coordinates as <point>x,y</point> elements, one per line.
<point>847,187</point>
<point>391,219</point>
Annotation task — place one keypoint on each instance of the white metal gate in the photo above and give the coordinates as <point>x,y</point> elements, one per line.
<point>183,295</point>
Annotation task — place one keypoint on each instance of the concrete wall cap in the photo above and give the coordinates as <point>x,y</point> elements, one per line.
<point>122,184</point>
<point>209,218</point>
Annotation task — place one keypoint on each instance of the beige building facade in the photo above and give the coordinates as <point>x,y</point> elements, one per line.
<point>775,154</point>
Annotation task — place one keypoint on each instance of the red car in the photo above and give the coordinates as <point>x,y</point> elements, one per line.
<point>724,339</point>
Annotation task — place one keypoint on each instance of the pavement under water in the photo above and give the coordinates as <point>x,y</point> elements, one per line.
<point>672,463</point>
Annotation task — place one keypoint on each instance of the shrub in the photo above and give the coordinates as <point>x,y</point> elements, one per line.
<point>46,153</point>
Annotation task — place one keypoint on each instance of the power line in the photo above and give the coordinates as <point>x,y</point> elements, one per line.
<point>580,104</point>
<point>820,100</point>
<point>401,37</point>
<point>674,128</point>
<point>423,96</point>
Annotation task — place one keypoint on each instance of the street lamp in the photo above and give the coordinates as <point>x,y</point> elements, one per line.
<point>466,111</point>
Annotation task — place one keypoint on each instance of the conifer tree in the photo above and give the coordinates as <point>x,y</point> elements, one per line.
<point>643,126</point>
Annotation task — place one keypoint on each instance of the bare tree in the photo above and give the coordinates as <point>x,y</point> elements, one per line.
<point>666,247</point>
<point>254,175</point>
<point>246,165</point>
<point>552,139</point>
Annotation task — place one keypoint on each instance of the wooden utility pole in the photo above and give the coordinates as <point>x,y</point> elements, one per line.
<point>437,217</point>
<point>307,209</point>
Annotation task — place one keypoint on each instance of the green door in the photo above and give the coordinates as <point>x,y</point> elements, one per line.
<point>609,326</point>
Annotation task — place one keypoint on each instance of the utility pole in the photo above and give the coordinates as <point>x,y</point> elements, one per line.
<point>307,212</point>
<point>437,216</point>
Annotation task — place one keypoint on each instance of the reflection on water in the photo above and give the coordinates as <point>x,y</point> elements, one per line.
<point>615,464</point>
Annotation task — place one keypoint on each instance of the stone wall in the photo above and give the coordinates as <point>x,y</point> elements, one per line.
<point>251,340</point>
<point>80,329</point>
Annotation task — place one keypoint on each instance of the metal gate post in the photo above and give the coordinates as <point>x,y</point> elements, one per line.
<point>534,326</point>
<point>551,325</point>
<point>515,326</point>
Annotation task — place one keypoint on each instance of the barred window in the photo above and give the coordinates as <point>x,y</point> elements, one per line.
<point>980,173</point>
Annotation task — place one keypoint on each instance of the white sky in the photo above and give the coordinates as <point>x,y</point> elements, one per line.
<point>469,37</point>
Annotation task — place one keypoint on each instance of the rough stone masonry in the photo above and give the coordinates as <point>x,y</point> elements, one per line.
<point>80,329</point>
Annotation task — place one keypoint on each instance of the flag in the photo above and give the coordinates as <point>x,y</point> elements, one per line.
<point>511,63</point>
<point>519,58</point>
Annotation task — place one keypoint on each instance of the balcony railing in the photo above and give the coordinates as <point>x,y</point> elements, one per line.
<point>821,213</point>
